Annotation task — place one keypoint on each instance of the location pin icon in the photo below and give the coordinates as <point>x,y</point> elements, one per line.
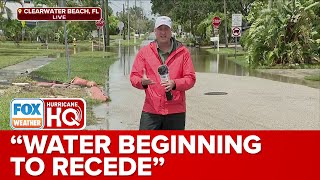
<point>19,11</point>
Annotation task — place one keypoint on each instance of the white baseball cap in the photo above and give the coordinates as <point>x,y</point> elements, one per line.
<point>163,20</point>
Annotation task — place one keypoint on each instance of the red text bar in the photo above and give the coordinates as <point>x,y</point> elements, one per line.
<point>60,14</point>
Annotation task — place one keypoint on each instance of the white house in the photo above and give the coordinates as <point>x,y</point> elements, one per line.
<point>14,6</point>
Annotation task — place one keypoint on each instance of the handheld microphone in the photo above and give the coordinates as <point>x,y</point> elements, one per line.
<point>164,76</point>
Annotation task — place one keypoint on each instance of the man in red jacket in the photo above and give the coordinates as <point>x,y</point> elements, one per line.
<point>165,101</point>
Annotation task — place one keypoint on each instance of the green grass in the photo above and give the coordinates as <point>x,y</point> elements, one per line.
<point>114,41</point>
<point>31,45</point>
<point>130,43</point>
<point>226,51</point>
<point>241,60</point>
<point>315,77</point>
<point>10,56</point>
<point>92,66</point>
<point>42,46</point>
<point>298,66</point>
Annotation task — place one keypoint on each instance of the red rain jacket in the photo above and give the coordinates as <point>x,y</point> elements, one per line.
<point>181,70</point>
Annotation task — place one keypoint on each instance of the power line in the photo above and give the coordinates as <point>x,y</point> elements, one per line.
<point>115,4</point>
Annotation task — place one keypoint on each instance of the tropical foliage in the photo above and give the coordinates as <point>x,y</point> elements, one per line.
<point>13,30</point>
<point>205,28</point>
<point>287,33</point>
<point>275,31</point>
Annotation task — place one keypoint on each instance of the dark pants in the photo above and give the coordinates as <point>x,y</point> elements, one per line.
<point>150,121</point>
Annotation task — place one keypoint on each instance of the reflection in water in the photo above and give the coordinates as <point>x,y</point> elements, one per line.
<point>215,63</point>
<point>206,62</point>
<point>126,57</point>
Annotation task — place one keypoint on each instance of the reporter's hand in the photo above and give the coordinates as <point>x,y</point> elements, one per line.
<point>145,80</point>
<point>169,85</point>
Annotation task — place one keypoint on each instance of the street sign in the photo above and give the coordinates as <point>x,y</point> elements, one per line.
<point>236,31</point>
<point>216,21</point>
<point>120,25</point>
<point>100,23</point>
<point>215,42</point>
<point>215,31</point>
<point>236,20</point>
<point>214,39</point>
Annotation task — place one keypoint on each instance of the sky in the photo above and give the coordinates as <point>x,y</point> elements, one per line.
<point>117,5</point>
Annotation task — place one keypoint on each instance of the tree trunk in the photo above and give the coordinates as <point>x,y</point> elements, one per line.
<point>270,2</point>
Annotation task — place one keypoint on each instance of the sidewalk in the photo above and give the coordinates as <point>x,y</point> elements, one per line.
<point>7,74</point>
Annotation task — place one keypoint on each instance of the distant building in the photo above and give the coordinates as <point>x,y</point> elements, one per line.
<point>14,6</point>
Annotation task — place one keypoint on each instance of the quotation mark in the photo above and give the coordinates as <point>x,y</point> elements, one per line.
<point>15,140</point>
<point>157,161</point>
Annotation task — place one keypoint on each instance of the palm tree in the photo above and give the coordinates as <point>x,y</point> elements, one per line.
<point>5,10</point>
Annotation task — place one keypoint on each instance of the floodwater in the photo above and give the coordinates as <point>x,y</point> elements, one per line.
<point>216,63</point>
<point>110,114</point>
<point>204,61</point>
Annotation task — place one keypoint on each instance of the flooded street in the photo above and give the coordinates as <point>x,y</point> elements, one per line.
<point>247,102</point>
<point>205,62</point>
<point>225,96</point>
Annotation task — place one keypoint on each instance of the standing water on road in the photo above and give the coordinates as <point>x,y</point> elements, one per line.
<point>210,63</point>
<point>217,63</point>
<point>122,115</point>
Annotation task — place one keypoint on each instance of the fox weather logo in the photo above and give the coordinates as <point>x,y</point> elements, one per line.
<point>27,114</point>
<point>48,114</point>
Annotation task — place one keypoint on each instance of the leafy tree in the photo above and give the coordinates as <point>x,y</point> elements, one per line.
<point>205,29</point>
<point>187,12</point>
<point>138,21</point>
<point>284,34</point>
<point>79,30</point>
<point>45,31</point>
<point>113,25</point>
<point>13,30</point>
<point>161,7</point>
<point>50,3</point>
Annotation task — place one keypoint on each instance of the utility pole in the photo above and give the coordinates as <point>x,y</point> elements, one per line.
<point>142,18</point>
<point>104,27</point>
<point>225,22</point>
<point>135,14</point>
<point>107,22</point>
<point>63,4</point>
<point>128,21</point>
<point>124,32</point>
